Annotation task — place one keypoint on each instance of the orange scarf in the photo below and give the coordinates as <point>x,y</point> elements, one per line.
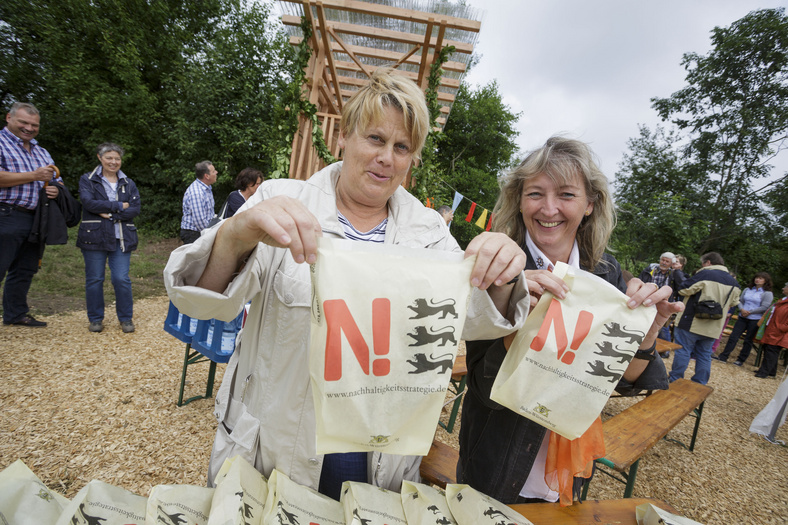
<point>567,458</point>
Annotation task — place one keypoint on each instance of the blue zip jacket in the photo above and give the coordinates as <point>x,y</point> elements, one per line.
<point>97,232</point>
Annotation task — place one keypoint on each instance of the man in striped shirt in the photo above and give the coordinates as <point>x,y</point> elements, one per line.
<point>198,202</point>
<point>24,168</point>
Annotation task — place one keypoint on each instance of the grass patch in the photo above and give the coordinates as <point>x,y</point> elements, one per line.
<point>59,286</point>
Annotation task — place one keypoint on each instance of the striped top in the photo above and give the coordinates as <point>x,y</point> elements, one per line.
<point>376,234</point>
<point>14,158</point>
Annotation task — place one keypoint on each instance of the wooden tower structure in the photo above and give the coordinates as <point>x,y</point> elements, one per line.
<point>352,38</point>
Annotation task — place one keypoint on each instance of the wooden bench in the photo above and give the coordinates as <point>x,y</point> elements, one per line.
<point>729,325</point>
<point>439,467</point>
<point>618,511</point>
<point>459,373</point>
<point>666,346</point>
<point>628,435</point>
<point>632,433</point>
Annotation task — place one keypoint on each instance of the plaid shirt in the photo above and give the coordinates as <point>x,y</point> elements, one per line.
<point>659,278</point>
<point>197,206</point>
<point>16,159</point>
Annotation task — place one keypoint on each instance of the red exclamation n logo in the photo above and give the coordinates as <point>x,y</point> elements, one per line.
<point>555,318</point>
<point>339,320</point>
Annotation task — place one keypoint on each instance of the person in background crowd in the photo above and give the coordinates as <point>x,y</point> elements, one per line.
<point>679,262</point>
<point>107,234</point>
<point>259,254</point>
<point>754,301</point>
<point>557,206</point>
<point>775,337</point>
<point>446,213</point>
<point>696,335</point>
<point>663,274</point>
<point>25,167</point>
<point>246,183</point>
<point>198,204</point>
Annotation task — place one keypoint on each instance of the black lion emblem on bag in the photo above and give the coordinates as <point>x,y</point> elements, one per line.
<point>606,349</point>
<point>614,330</point>
<point>422,363</point>
<point>598,369</point>
<point>425,337</point>
<point>424,309</point>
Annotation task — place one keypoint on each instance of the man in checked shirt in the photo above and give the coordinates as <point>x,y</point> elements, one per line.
<point>198,202</point>
<point>24,168</point>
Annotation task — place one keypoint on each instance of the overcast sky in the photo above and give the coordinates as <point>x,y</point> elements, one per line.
<point>588,69</point>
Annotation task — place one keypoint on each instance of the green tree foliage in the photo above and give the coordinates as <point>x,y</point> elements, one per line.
<point>476,146</point>
<point>731,120</point>
<point>172,82</point>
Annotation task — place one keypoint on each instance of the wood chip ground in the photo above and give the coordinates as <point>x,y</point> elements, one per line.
<point>78,406</point>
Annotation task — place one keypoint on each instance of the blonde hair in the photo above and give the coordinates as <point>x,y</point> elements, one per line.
<point>562,160</point>
<point>388,89</point>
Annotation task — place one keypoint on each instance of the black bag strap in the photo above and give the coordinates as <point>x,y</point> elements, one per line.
<point>726,299</point>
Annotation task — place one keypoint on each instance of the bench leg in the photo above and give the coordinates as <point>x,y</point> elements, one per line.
<point>628,478</point>
<point>190,359</point>
<point>211,376</point>
<point>460,390</point>
<point>631,477</point>
<point>584,494</point>
<point>698,414</point>
<point>183,374</point>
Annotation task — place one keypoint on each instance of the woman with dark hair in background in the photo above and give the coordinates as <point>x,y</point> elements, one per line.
<point>247,182</point>
<point>755,299</point>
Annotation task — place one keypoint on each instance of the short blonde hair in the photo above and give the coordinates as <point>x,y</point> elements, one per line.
<point>388,89</point>
<point>562,160</point>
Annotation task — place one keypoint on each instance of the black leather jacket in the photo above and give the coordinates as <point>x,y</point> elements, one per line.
<point>498,446</point>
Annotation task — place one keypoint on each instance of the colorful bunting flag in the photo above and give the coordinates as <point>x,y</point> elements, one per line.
<point>470,213</point>
<point>457,200</point>
<point>482,219</point>
<point>489,224</point>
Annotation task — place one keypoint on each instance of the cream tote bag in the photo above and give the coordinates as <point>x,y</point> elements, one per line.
<point>178,504</point>
<point>25,500</point>
<point>565,361</point>
<point>386,321</point>
<point>240,494</point>
<point>425,505</point>
<point>471,507</point>
<point>289,503</point>
<point>99,502</point>
<point>365,504</point>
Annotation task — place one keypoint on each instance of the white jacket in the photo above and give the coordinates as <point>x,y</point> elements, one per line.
<point>264,406</point>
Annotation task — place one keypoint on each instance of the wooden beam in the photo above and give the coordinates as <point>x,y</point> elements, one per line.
<point>321,15</point>
<point>329,97</point>
<point>406,57</point>
<point>457,67</point>
<point>425,52</point>
<point>317,71</point>
<point>443,97</point>
<point>452,83</point>
<point>349,53</point>
<point>383,34</point>
<point>431,59</point>
<point>399,13</point>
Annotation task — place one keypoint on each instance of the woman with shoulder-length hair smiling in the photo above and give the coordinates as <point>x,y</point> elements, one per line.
<point>556,206</point>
